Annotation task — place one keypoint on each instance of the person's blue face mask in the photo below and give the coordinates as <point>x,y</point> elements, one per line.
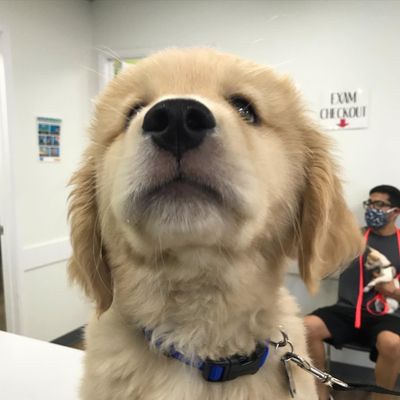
<point>375,218</point>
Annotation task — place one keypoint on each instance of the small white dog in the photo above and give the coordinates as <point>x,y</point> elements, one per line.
<point>382,269</point>
<point>384,272</point>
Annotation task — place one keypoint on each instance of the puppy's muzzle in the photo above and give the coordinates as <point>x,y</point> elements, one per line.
<point>178,125</point>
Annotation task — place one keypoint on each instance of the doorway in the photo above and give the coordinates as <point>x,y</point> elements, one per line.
<point>9,310</point>
<point>3,325</point>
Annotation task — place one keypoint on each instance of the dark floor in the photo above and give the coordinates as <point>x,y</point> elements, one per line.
<point>351,373</point>
<point>351,396</point>
<point>73,339</point>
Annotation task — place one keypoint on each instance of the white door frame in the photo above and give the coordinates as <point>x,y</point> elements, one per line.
<point>11,271</point>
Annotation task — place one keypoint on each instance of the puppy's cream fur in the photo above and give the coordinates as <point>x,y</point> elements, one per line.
<point>205,275</point>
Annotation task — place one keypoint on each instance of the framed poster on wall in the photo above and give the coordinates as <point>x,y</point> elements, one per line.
<point>49,135</point>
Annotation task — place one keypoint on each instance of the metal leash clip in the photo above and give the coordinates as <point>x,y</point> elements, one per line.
<point>291,357</point>
<point>286,360</point>
<point>322,376</point>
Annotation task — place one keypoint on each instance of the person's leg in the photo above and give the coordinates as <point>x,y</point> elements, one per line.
<point>388,362</point>
<point>333,322</point>
<point>317,331</point>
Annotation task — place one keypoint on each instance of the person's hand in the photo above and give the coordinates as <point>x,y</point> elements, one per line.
<point>387,289</point>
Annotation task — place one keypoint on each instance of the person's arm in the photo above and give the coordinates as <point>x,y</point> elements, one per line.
<point>389,289</point>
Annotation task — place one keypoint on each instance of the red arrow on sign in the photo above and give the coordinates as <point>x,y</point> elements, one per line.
<point>342,123</point>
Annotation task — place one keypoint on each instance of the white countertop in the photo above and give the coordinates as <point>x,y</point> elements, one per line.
<point>31,369</point>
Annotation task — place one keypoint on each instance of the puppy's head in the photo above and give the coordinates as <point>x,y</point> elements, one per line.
<point>194,148</point>
<point>375,260</point>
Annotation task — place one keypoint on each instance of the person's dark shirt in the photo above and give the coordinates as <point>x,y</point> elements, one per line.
<point>350,277</point>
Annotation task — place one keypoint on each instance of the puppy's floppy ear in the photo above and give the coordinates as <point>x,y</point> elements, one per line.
<point>329,235</point>
<point>88,266</point>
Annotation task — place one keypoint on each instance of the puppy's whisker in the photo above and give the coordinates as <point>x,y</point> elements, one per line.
<point>96,72</point>
<point>109,52</point>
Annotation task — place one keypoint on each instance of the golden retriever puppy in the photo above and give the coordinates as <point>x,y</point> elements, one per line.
<point>203,175</point>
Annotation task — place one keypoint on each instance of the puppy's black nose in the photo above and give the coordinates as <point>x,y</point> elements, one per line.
<point>178,125</point>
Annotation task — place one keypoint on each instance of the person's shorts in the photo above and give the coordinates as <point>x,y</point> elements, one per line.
<point>340,322</point>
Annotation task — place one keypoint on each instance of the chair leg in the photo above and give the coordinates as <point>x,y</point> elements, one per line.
<point>328,357</point>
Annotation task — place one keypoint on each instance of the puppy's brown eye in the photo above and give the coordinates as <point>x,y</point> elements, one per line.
<point>132,113</point>
<point>244,108</point>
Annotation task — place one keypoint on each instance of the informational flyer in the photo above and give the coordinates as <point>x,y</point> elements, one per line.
<point>49,132</point>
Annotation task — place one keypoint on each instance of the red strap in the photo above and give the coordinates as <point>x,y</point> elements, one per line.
<point>380,299</point>
<point>357,322</point>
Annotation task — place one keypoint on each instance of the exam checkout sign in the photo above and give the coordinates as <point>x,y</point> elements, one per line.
<point>346,109</point>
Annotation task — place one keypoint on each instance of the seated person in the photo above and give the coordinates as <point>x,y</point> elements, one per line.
<point>356,317</point>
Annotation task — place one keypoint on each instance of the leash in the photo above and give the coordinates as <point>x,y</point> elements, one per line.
<point>291,357</point>
<point>357,319</point>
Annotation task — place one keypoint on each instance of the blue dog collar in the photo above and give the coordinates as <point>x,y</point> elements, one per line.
<point>222,370</point>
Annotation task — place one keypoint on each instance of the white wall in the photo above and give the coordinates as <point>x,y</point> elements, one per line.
<point>323,45</point>
<point>51,62</point>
